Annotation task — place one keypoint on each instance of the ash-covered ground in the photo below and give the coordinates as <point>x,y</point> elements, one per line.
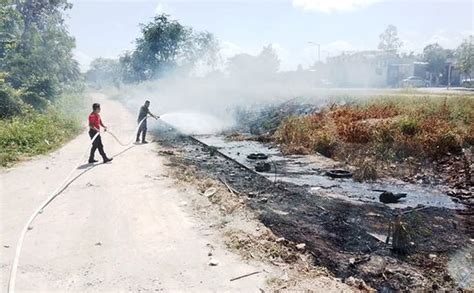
<point>347,237</point>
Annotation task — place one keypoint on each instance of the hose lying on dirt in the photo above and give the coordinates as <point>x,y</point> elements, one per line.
<point>67,181</point>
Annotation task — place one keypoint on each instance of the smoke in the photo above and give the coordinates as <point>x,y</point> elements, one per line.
<point>207,104</point>
<point>196,123</point>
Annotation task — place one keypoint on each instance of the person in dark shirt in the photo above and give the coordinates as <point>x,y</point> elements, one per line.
<point>142,115</point>
<point>95,122</point>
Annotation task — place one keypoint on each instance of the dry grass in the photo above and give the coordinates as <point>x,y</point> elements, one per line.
<point>266,247</point>
<point>394,128</point>
<point>366,171</point>
<point>228,203</point>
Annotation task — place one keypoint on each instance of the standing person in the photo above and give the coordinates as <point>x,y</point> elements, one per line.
<point>94,127</point>
<point>142,115</point>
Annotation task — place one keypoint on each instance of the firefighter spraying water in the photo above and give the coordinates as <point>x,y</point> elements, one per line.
<point>142,115</point>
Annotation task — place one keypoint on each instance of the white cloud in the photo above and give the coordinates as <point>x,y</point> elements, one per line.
<point>339,47</point>
<point>229,49</point>
<point>446,39</point>
<point>329,6</point>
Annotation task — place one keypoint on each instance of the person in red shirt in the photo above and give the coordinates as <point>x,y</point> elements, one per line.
<point>94,126</point>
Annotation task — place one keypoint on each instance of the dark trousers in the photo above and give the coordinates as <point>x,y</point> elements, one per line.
<point>142,130</point>
<point>97,144</point>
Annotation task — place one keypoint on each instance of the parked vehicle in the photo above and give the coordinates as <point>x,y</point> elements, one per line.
<point>415,81</point>
<point>467,82</point>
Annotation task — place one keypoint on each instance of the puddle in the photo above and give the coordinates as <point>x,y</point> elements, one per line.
<point>301,171</point>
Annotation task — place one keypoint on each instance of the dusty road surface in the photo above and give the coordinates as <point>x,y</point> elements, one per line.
<point>119,227</point>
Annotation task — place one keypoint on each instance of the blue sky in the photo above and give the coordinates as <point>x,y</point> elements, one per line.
<point>106,28</point>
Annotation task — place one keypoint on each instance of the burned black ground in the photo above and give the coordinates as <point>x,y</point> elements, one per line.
<point>335,231</point>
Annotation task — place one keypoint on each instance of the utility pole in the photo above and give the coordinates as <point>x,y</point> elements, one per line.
<point>450,67</point>
<point>449,76</point>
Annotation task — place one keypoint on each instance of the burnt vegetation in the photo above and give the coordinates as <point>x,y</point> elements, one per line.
<point>342,236</point>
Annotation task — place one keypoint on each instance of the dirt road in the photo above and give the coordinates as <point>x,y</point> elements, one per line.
<point>119,227</point>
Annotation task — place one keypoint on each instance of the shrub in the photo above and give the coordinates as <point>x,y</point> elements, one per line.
<point>33,133</point>
<point>408,126</point>
<point>297,131</point>
<point>365,172</point>
<point>10,104</point>
<point>325,143</point>
<point>384,136</point>
<point>405,146</point>
<point>35,100</point>
<point>437,138</point>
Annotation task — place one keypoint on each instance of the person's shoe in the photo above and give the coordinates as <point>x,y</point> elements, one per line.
<point>106,160</point>
<point>144,141</point>
<point>92,161</point>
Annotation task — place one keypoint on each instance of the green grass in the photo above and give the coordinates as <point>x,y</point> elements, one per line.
<point>32,133</point>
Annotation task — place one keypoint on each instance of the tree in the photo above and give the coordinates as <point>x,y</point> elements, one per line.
<point>164,45</point>
<point>389,41</point>
<point>436,58</point>
<point>10,29</point>
<point>36,49</point>
<point>246,66</point>
<point>268,60</point>
<point>103,72</point>
<point>465,56</point>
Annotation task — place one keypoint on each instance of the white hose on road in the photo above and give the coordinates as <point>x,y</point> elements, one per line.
<point>67,181</point>
<point>129,142</point>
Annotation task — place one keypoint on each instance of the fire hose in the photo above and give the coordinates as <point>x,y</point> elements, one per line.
<point>67,181</point>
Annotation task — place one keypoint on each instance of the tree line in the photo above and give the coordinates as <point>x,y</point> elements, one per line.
<point>164,46</point>
<point>36,60</point>
<point>436,57</point>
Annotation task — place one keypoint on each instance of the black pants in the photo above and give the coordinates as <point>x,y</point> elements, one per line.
<point>142,129</point>
<point>97,144</point>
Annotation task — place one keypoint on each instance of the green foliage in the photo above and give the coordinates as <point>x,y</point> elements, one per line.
<point>10,103</point>
<point>408,126</point>
<point>465,55</point>
<point>165,45</point>
<point>36,67</point>
<point>10,29</point>
<point>104,72</point>
<point>436,57</point>
<point>33,133</point>
<point>35,52</point>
